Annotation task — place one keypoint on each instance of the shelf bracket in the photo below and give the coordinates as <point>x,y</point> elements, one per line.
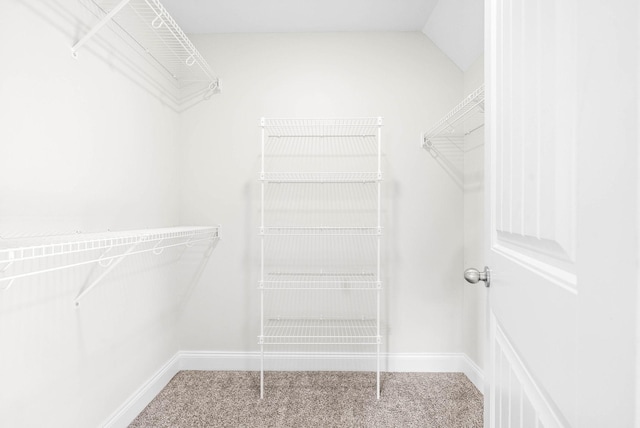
<point>108,17</point>
<point>7,266</point>
<point>157,250</point>
<point>8,262</point>
<point>211,247</point>
<point>104,257</point>
<point>108,269</point>
<point>8,286</point>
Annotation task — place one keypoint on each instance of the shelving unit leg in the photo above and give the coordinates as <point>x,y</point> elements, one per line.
<point>261,371</point>
<point>378,371</point>
<point>262,262</point>
<point>379,260</point>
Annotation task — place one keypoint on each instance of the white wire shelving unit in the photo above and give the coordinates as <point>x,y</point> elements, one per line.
<point>25,257</point>
<point>150,27</point>
<point>313,265</point>
<point>445,140</point>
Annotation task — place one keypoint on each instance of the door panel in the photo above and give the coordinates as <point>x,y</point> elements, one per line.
<point>532,212</point>
<point>561,212</point>
<point>534,168</point>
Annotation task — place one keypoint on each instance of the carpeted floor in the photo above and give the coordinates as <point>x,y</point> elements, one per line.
<point>314,399</point>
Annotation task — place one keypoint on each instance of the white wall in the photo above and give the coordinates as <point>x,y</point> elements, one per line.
<point>400,76</point>
<point>473,306</point>
<point>83,146</point>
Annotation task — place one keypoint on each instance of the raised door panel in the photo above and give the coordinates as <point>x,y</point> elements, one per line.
<point>535,128</point>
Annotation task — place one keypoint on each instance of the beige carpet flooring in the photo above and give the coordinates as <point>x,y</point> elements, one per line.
<point>314,399</point>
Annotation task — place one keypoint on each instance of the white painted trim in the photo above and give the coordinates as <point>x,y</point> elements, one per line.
<point>638,237</point>
<point>250,361</point>
<point>392,362</point>
<point>218,361</point>
<point>132,407</point>
<point>568,281</point>
<point>473,372</point>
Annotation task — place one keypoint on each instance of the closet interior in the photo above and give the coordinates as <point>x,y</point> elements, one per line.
<point>165,222</point>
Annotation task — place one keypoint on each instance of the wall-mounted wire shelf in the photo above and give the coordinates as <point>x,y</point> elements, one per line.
<point>321,231</point>
<point>279,331</point>
<point>321,177</point>
<point>452,125</point>
<point>152,28</point>
<point>447,140</point>
<point>320,281</point>
<point>108,249</point>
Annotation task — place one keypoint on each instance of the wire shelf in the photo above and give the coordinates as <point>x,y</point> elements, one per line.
<point>106,249</point>
<point>366,127</point>
<point>320,281</point>
<point>16,250</point>
<point>450,125</point>
<point>302,331</point>
<point>321,177</point>
<point>157,34</point>
<point>321,231</point>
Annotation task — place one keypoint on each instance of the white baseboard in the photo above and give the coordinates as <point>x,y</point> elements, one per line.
<point>250,361</point>
<point>436,363</point>
<point>132,407</point>
<point>218,361</point>
<point>390,362</point>
<point>474,373</point>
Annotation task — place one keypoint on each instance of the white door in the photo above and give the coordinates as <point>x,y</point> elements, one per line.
<point>561,212</point>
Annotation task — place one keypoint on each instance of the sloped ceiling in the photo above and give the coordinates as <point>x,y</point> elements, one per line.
<point>455,26</point>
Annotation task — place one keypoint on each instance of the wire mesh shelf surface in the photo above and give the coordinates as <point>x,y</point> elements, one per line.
<point>321,177</point>
<point>159,37</point>
<point>320,281</point>
<point>366,127</point>
<point>320,231</point>
<point>25,248</point>
<point>320,331</point>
